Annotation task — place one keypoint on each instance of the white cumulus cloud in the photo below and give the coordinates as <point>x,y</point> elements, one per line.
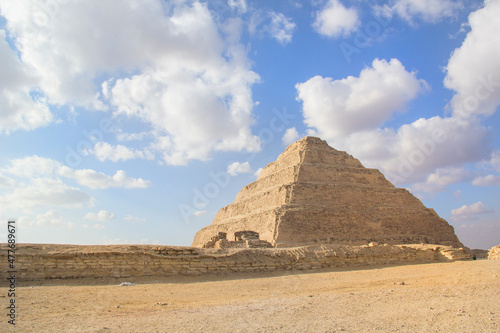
<point>257,173</point>
<point>102,215</point>
<point>336,108</point>
<point>104,151</point>
<point>489,180</point>
<point>410,153</point>
<point>45,192</point>
<point>291,135</point>
<point>19,109</point>
<point>50,218</point>
<point>99,180</point>
<point>335,20</point>
<point>238,5</point>
<point>6,181</point>
<point>130,217</point>
<point>495,160</point>
<point>167,64</point>
<point>470,212</point>
<point>441,178</point>
<point>199,212</point>
<point>349,113</point>
<point>41,168</point>
<point>281,28</point>
<point>237,168</point>
<point>32,166</point>
<point>426,10</point>
<point>473,70</point>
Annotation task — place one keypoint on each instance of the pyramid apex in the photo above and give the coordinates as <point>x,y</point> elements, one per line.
<point>310,142</point>
<point>311,139</point>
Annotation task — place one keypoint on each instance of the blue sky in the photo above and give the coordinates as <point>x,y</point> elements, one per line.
<point>127,121</point>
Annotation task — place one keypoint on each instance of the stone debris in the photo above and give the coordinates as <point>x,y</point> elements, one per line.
<point>494,253</point>
<point>315,194</point>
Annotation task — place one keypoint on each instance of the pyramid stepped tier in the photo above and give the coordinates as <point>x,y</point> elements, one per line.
<point>315,194</point>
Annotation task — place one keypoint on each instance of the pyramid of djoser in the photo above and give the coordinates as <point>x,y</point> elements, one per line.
<point>314,194</point>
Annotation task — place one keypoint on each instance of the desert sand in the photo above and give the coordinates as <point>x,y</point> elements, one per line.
<point>462,296</point>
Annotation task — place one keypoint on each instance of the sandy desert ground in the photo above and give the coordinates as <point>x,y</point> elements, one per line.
<point>461,296</point>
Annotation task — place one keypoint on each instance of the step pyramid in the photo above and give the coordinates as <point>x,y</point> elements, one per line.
<point>314,194</point>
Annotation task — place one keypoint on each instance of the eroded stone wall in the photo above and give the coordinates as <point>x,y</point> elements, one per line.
<point>45,261</point>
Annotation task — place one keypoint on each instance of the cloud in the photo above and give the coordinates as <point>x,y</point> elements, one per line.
<point>291,135</point>
<point>130,217</point>
<point>473,70</point>
<point>426,10</point>
<point>236,168</point>
<point>257,173</point>
<point>495,160</point>
<point>104,151</point>
<point>441,179</point>
<point>349,113</point>
<point>6,181</point>
<point>35,167</point>
<point>19,109</point>
<point>102,215</point>
<point>94,226</point>
<point>489,180</point>
<point>46,192</point>
<point>99,180</point>
<point>271,24</point>
<point>469,212</point>
<point>37,184</point>
<point>32,166</point>
<point>335,20</point>
<point>200,213</point>
<point>281,28</point>
<point>411,152</point>
<point>336,108</point>
<point>238,5</point>
<point>167,64</point>
<point>51,218</point>
<point>121,136</point>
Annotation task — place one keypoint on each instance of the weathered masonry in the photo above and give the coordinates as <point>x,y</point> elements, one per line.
<point>50,261</point>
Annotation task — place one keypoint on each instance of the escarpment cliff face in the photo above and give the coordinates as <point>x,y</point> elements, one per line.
<point>316,194</point>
